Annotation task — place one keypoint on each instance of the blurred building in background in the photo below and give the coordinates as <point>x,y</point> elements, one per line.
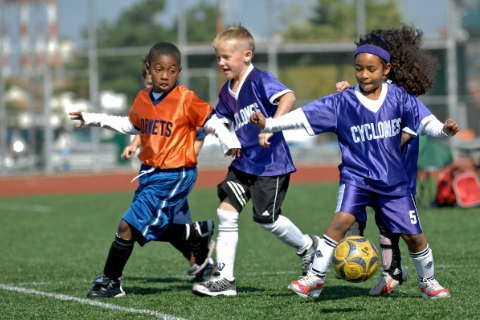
<point>47,72</point>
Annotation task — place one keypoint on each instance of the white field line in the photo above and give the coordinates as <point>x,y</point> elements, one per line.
<point>90,302</point>
<point>24,207</point>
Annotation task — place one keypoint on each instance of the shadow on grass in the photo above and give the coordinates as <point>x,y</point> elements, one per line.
<point>158,280</point>
<point>332,293</point>
<point>342,310</point>
<point>133,290</point>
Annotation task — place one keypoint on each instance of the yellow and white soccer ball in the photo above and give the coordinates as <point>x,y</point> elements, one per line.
<point>355,259</point>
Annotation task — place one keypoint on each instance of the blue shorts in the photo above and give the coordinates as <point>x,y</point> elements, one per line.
<point>182,213</point>
<point>398,213</point>
<point>160,200</point>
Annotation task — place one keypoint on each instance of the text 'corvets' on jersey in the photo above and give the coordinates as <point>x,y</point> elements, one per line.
<point>156,127</point>
<point>258,91</point>
<point>369,131</point>
<point>168,126</point>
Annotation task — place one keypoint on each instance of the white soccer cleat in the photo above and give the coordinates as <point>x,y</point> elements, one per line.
<point>309,286</point>
<point>308,255</point>
<point>216,286</point>
<point>388,282</point>
<point>431,289</point>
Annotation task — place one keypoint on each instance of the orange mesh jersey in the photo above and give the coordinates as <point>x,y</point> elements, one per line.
<point>169,128</point>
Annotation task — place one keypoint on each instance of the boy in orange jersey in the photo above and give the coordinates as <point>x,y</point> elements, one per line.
<point>166,116</point>
<point>182,210</point>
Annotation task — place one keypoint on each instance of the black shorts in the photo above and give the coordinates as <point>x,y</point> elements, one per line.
<point>267,193</point>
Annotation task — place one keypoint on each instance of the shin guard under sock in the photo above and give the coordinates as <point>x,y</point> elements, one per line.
<point>117,257</point>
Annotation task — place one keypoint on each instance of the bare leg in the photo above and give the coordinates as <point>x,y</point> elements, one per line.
<point>341,222</point>
<point>415,242</point>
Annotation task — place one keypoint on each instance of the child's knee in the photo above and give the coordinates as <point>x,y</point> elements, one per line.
<point>342,221</point>
<point>125,230</point>
<point>227,205</point>
<point>415,242</point>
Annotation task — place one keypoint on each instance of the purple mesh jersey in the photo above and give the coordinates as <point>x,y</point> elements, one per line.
<point>369,134</point>
<point>410,158</point>
<point>258,91</point>
<point>410,153</point>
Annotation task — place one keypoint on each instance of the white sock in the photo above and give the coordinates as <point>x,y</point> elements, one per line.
<point>423,262</point>
<point>323,256</point>
<point>288,233</point>
<point>227,241</point>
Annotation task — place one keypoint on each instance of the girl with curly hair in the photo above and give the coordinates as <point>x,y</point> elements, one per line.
<point>368,121</point>
<point>404,46</point>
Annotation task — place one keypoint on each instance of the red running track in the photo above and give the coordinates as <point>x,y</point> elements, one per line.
<point>120,181</point>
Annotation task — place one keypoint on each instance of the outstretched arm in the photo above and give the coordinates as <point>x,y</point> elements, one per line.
<point>433,127</point>
<point>285,104</point>
<point>119,124</point>
<point>229,142</point>
<point>292,120</point>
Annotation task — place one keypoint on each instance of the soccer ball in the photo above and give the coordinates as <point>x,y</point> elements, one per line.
<point>355,259</point>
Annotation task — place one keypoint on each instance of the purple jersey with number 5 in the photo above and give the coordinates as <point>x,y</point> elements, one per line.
<point>369,134</point>
<point>258,91</point>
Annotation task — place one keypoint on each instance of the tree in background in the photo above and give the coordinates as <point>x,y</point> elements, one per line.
<point>139,26</point>
<point>310,76</point>
<point>336,20</point>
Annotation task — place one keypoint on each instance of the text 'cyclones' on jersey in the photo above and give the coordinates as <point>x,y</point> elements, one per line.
<point>243,116</point>
<point>384,129</point>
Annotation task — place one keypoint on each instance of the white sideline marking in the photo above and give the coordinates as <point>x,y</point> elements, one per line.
<point>47,283</point>
<point>25,207</point>
<point>90,302</point>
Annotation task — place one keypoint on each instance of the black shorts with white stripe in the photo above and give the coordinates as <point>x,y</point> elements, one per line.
<point>267,193</point>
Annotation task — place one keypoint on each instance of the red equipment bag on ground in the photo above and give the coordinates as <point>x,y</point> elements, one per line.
<point>445,196</point>
<point>466,187</point>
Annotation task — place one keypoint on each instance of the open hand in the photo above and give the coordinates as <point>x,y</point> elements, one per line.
<point>342,85</point>
<point>234,152</point>
<point>77,116</point>
<point>263,139</point>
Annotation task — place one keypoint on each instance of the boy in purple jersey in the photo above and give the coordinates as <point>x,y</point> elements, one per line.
<point>368,121</point>
<point>258,173</point>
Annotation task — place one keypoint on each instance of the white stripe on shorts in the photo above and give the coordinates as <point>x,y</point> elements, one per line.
<point>238,191</point>
<point>341,190</point>
<point>164,202</point>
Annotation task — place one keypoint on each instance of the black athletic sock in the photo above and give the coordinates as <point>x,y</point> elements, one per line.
<point>117,257</point>
<point>179,233</point>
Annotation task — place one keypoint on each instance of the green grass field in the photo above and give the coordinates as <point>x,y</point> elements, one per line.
<point>52,247</point>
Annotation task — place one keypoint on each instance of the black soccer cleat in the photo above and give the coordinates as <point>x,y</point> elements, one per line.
<point>202,247</point>
<point>106,288</point>
<point>206,273</point>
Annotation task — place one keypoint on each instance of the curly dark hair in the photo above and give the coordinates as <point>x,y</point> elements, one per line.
<point>413,69</point>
